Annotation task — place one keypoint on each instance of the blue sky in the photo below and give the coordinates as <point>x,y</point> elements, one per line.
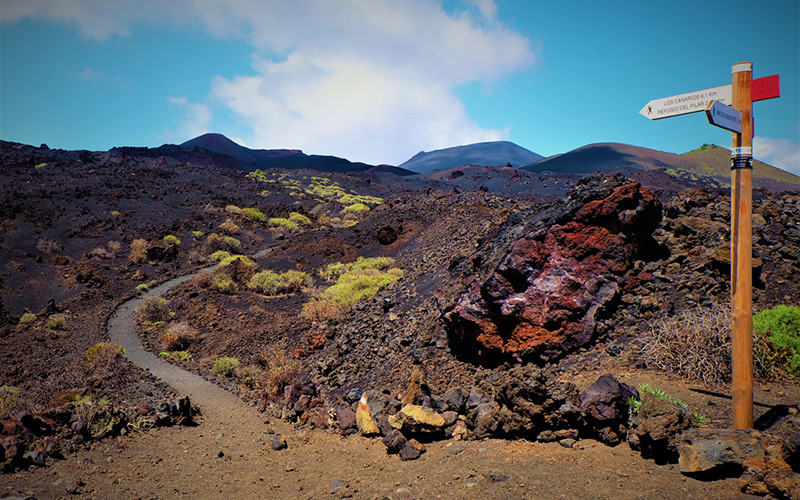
<point>377,81</point>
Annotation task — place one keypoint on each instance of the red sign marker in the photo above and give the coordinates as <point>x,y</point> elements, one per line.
<point>766,87</point>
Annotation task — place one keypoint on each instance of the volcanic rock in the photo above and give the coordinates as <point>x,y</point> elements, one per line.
<point>544,299</point>
<point>704,449</point>
<point>656,428</point>
<point>605,404</point>
<point>413,418</point>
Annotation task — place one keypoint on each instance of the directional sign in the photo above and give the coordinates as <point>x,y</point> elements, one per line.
<point>767,87</point>
<point>683,104</point>
<point>724,116</point>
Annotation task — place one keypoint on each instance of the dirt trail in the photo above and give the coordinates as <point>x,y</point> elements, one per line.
<point>217,404</point>
<point>229,455</point>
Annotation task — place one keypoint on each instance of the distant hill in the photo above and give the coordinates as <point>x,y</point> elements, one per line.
<point>708,166</point>
<point>715,161</point>
<point>487,154</point>
<point>229,153</point>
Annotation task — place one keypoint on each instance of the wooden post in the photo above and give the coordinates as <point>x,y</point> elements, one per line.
<point>742,250</point>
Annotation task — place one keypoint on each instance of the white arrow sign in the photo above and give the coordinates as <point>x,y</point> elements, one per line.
<point>683,104</point>
<point>724,116</point>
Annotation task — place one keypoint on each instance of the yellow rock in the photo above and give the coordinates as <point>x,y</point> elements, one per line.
<point>415,418</point>
<point>364,421</point>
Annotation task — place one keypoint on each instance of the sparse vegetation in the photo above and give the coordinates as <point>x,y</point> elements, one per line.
<point>279,370</point>
<point>138,253</point>
<point>283,222</point>
<point>9,399</point>
<point>780,326</point>
<point>635,404</point>
<point>153,310</point>
<point>142,288</point>
<point>271,283</point>
<point>176,336</point>
<point>104,352</point>
<point>172,240</point>
<point>356,208</point>
<point>224,284</point>
<point>696,344</point>
<point>27,318</point>
<point>176,355</point>
<point>233,210</point>
<point>215,242</point>
<point>230,227</point>
<point>354,281</point>
<point>224,367</point>
<point>230,259</point>
<point>56,322</point>
<point>197,234</point>
<point>254,214</point>
<point>299,218</point>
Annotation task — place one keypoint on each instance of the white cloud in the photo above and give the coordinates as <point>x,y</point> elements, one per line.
<point>781,153</point>
<point>370,80</point>
<point>196,120</point>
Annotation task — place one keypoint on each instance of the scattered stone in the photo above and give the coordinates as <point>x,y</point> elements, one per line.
<point>605,406</point>
<point>416,419</point>
<point>340,489</point>
<point>279,442</point>
<point>547,436</point>
<point>34,457</point>
<point>412,450</point>
<point>705,449</point>
<point>346,418</point>
<point>394,441</point>
<point>656,428</point>
<point>567,443</point>
<point>453,400</point>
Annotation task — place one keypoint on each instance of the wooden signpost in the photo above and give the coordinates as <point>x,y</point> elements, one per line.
<point>731,107</point>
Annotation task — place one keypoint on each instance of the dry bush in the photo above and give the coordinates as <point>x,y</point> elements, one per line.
<point>153,310</point>
<point>138,253</point>
<point>279,370</point>
<point>229,227</point>
<point>47,245</point>
<point>696,344</point>
<point>177,336</point>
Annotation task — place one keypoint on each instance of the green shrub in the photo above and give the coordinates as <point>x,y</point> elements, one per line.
<point>230,259</point>
<point>56,322</point>
<point>356,208</point>
<point>299,218</point>
<point>224,284</point>
<point>219,255</point>
<point>781,327</point>
<point>27,318</point>
<point>254,214</point>
<point>171,239</point>
<point>176,356</point>
<point>270,282</point>
<point>362,279</point>
<point>216,242</point>
<point>197,234</point>
<point>282,222</point>
<point>142,287</point>
<point>224,367</point>
<point>233,209</point>
<point>40,165</point>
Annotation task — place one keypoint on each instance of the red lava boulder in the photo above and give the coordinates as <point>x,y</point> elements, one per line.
<point>545,297</point>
